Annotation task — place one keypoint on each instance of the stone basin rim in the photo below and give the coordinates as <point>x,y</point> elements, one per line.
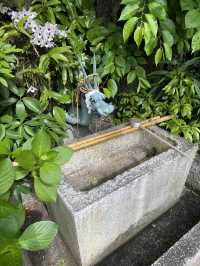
<point>78,200</point>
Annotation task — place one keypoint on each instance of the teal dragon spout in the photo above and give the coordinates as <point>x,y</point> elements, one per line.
<point>92,101</point>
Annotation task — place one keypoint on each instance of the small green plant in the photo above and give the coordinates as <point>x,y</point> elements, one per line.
<point>14,239</point>
<point>33,163</point>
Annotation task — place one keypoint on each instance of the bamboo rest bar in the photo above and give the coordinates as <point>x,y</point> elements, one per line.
<point>117,133</point>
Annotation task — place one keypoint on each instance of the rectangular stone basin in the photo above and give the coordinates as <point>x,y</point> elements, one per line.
<point>113,190</point>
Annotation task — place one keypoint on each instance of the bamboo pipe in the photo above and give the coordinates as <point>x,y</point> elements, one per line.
<point>116,133</point>
<point>111,132</point>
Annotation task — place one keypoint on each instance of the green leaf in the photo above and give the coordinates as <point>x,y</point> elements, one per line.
<point>41,143</point>
<point>5,147</point>
<point>131,76</point>
<point>20,173</point>
<point>128,11</point>
<point>192,19</point>
<point>60,57</point>
<point>64,76</point>
<point>50,156</point>
<point>3,82</point>
<point>6,119</point>
<point>18,91</point>
<point>150,40</point>
<point>2,131</point>
<point>144,83</point>
<point>12,218</point>
<point>44,192</point>
<point>158,9</point>
<point>32,104</point>
<point>138,35</point>
<point>64,155</point>
<point>112,85</point>
<point>50,173</point>
<point>38,235</point>
<point>129,27</point>
<point>25,159</point>
<point>196,42</point>
<point>187,4</point>
<point>158,56</point>
<point>168,51</point>
<point>59,115</point>
<point>7,175</point>
<point>168,38</point>
<point>59,50</point>
<point>20,110</point>
<point>153,24</point>
<point>10,255</point>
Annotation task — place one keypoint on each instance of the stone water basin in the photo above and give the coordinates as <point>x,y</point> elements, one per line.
<point>113,190</point>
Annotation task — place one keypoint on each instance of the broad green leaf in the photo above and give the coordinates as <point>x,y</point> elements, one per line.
<point>187,4</point>
<point>50,173</point>
<point>44,192</point>
<point>5,196</point>
<point>131,76</point>
<point>168,51</point>
<point>64,155</point>
<point>5,147</point>
<point>158,56</point>
<point>107,92</point>
<point>25,159</point>
<point>50,156</point>
<point>129,11</point>
<point>12,218</point>
<point>7,175</point>
<point>153,24</point>
<point>41,143</point>
<point>192,19</point>
<point>38,235</point>
<point>196,42</point>
<point>144,83</point>
<point>138,35</point>
<point>20,173</point>
<point>32,104</point>
<point>158,9</point>
<point>6,119</point>
<point>129,27</point>
<point>150,40</point>
<point>10,255</point>
<point>168,38</point>
<point>60,115</point>
<point>20,110</point>
<point>112,85</point>
<point>18,91</point>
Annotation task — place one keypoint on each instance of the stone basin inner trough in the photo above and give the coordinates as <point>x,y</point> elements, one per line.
<point>113,190</point>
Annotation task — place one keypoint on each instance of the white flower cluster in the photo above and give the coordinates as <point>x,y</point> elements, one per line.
<point>42,36</point>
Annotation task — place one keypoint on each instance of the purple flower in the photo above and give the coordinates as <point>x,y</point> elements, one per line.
<point>42,36</point>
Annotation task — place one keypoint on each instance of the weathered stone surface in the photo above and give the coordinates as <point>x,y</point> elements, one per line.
<point>193,180</point>
<point>96,221</point>
<point>143,249</point>
<point>186,252</point>
<point>152,242</point>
